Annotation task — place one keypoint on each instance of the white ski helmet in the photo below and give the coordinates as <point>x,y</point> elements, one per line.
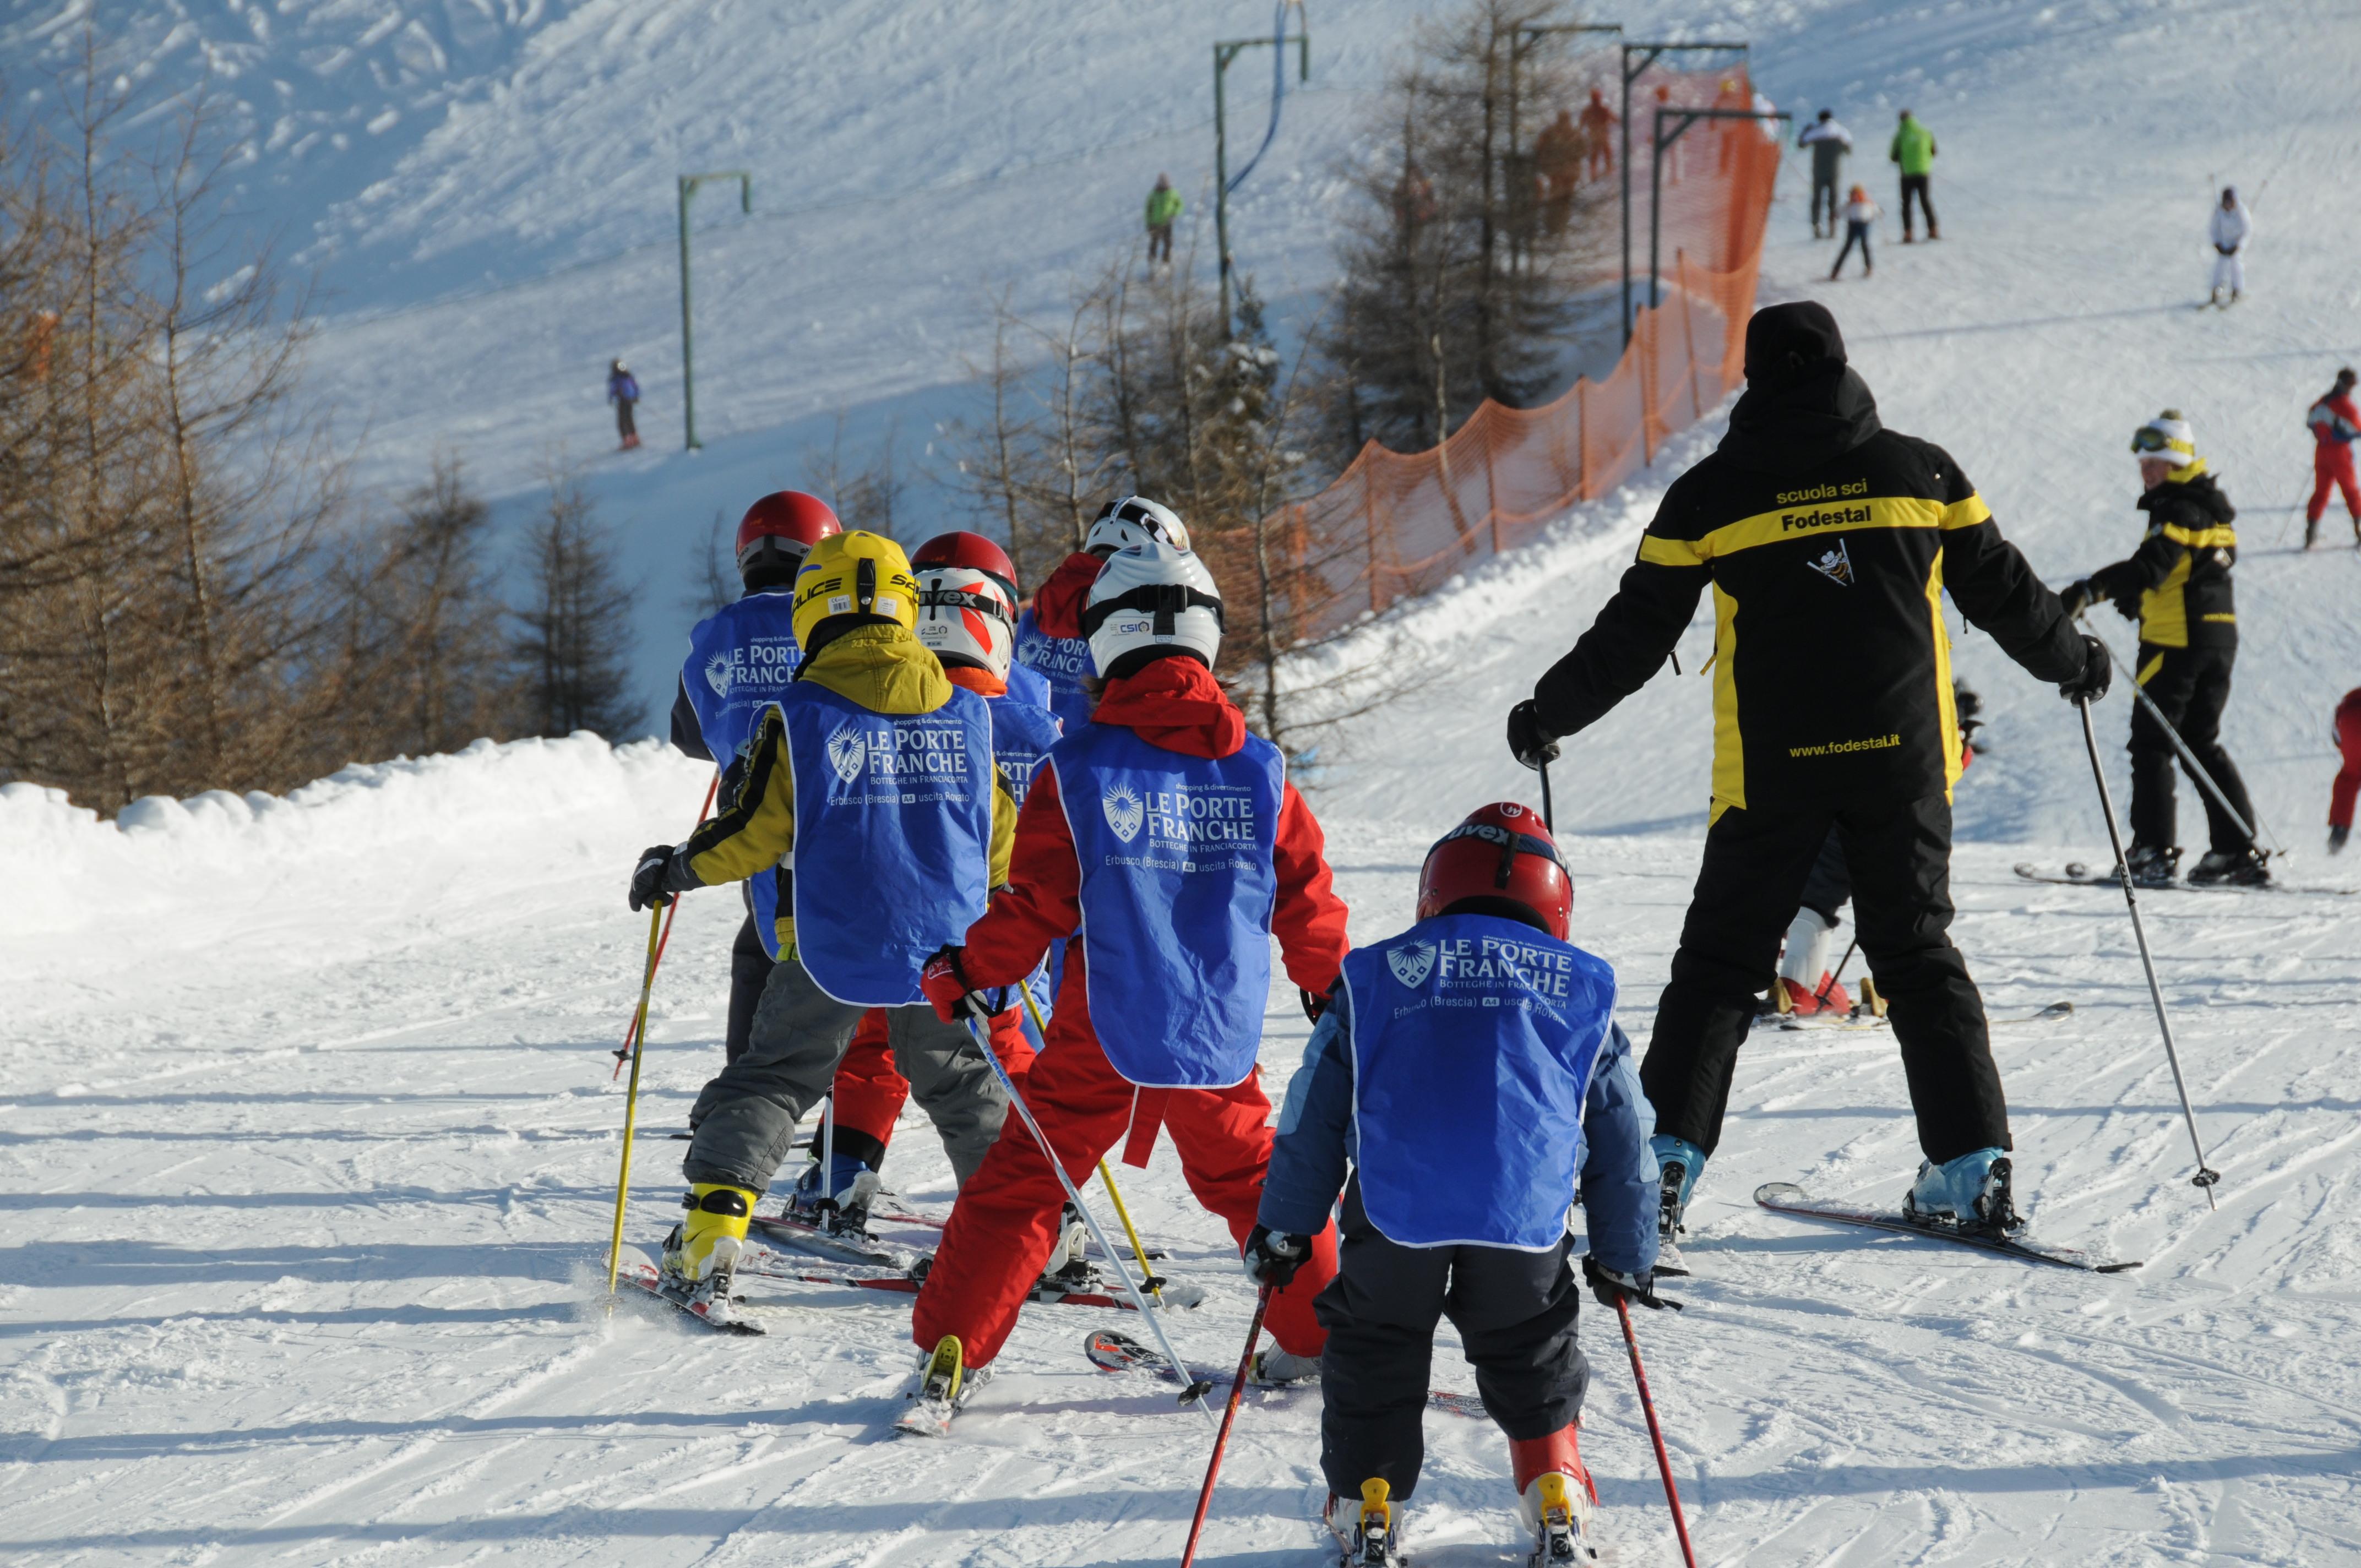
<point>1149,601</point>
<point>1135,520</point>
<point>967,601</point>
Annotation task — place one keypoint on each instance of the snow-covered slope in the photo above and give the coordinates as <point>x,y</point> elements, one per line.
<point>310,1143</point>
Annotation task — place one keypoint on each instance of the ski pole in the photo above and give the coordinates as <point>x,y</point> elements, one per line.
<point>1549,815</point>
<point>631,1107</point>
<point>2188,759</point>
<point>1114,1193</point>
<point>1656,1433</point>
<point>1221,1439</point>
<point>1190,1389</point>
<point>2206,1176</point>
<point>1837,974</point>
<point>630,1035</point>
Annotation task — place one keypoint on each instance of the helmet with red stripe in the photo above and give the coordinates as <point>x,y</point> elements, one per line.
<point>967,601</point>
<point>1501,860</point>
<point>777,533</point>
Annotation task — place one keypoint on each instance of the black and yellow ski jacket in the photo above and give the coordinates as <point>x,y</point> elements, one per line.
<point>2177,584</point>
<point>1827,541</point>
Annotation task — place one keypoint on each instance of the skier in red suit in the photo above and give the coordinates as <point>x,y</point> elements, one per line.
<point>2348,777</point>
<point>1173,934</point>
<point>2333,425</point>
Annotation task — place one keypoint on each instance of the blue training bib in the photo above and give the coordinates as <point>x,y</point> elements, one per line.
<point>1474,1038</point>
<point>893,838</point>
<point>1063,662</point>
<point>1177,892</point>
<point>1022,734</point>
<point>741,659</point>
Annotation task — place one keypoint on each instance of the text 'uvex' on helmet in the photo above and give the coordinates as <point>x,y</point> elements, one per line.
<point>967,601</point>
<point>1149,601</point>
<point>1133,520</point>
<point>859,574</point>
<point>1500,861</point>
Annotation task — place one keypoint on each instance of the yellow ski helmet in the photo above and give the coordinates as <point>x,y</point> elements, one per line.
<point>857,573</point>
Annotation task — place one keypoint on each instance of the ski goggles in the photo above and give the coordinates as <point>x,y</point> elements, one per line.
<point>1511,844</point>
<point>963,598</point>
<point>1165,601</point>
<point>2150,442</point>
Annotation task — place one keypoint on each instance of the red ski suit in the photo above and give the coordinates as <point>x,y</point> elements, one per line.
<point>1007,1218</point>
<point>870,1090</point>
<point>2334,425</point>
<point>2348,777</point>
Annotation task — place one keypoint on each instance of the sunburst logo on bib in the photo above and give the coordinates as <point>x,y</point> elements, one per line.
<point>848,751</point>
<point>717,674</point>
<point>1412,962</point>
<point>1124,811</point>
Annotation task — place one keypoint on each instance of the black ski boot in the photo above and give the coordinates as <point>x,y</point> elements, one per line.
<point>2234,868</point>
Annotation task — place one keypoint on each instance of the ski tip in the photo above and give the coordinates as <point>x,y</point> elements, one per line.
<point>2117,1268</point>
<point>2055,1009</point>
<point>1774,1192</point>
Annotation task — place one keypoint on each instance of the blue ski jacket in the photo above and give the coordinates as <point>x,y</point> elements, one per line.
<point>1316,1138</point>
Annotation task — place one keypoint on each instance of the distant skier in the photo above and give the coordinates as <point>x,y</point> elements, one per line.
<point>2348,777</point>
<point>1163,206</point>
<point>623,391</point>
<point>1859,214</point>
<point>1913,151</point>
<point>2334,425</point>
<point>1830,144</point>
<point>873,772</point>
<point>1819,532</point>
<point>740,658</point>
<point>1466,1081</point>
<point>1598,123</point>
<point>2177,585</point>
<point>1557,161</point>
<point>1049,638</point>
<point>2229,229</point>
<point>1166,839</point>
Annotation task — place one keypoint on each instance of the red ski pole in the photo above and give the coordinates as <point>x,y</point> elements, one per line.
<point>1656,1434</point>
<point>632,1030</point>
<point>1221,1439</point>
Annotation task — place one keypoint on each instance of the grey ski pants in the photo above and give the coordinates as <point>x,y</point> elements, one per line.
<point>744,1122</point>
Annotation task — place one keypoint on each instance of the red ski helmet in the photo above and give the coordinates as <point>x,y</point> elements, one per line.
<point>779,531</point>
<point>967,601</point>
<point>1501,854</point>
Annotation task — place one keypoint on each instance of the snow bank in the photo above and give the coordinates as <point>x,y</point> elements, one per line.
<point>411,829</point>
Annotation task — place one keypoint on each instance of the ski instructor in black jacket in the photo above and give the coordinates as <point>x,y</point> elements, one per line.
<point>1828,542</point>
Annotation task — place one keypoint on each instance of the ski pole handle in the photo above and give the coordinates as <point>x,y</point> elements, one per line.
<point>1656,1433</point>
<point>1221,1438</point>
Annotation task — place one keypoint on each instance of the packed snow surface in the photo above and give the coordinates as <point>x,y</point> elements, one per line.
<point>310,1142</point>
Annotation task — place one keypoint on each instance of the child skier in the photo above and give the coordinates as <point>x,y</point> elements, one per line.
<point>1859,213</point>
<point>2349,776</point>
<point>623,391</point>
<point>2229,228</point>
<point>2334,423</point>
<point>1166,839</point>
<point>876,774</point>
<point>1050,637</point>
<point>740,659</point>
<point>967,617</point>
<point>1471,1072</point>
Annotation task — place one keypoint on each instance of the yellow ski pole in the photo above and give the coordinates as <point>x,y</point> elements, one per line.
<point>1121,1211</point>
<point>631,1101</point>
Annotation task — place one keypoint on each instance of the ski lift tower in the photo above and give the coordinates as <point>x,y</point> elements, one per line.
<point>1224,52</point>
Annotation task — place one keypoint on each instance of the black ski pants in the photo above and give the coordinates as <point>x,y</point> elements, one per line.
<point>2191,686</point>
<point>1855,233</point>
<point>1756,863</point>
<point>1916,185</point>
<point>1825,189</point>
<point>1829,887</point>
<point>750,966</point>
<point>1515,1314</point>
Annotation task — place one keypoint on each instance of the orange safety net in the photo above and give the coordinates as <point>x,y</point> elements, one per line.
<point>1396,524</point>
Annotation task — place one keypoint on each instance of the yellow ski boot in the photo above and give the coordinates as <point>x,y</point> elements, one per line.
<point>701,1254</point>
<point>1369,1529</point>
<point>945,1382</point>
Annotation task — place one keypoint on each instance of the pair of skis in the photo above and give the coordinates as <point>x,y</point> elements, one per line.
<point>2077,874</point>
<point>1855,1020</point>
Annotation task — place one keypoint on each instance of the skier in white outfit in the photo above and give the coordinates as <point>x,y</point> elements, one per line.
<point>2230,229</point>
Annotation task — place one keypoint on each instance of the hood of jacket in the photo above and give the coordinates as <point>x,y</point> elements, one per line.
<point>1175,703</point>
<point>2197,500</point>
<point>1786,429</point>
<point>1058,605</point>
<point>884,668</point>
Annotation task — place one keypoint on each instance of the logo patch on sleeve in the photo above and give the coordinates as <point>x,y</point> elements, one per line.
<point>1835,564</point>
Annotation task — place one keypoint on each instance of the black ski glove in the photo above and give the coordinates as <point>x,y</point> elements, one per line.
<point>1529,742</point>
<point>2077,598</point>
<point>1315,1003</point>
<point>2097,674</point>
<point>1272,1258</point>
<point>1611,1286</point>
<point>652,878</point>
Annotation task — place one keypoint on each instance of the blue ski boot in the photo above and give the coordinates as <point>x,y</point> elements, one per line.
<point>843,1209</point>
<point>1679,1162</point>
<point>1970,1194</point>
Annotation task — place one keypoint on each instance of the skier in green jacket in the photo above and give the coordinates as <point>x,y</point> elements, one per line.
<point>1163,206</point>
<point>1914,151</point>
